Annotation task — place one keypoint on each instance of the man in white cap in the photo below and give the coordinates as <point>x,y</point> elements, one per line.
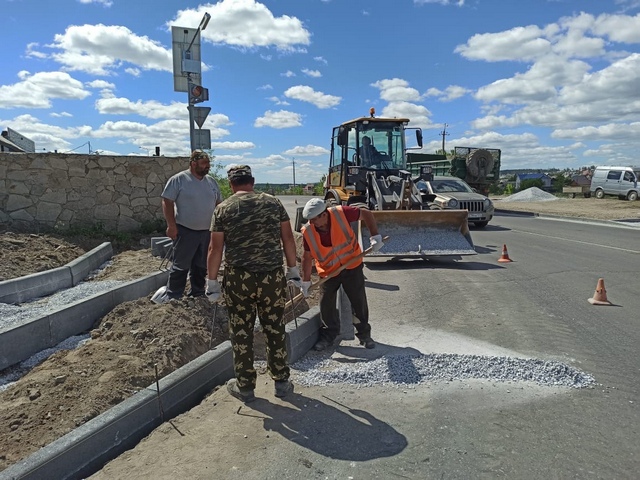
<point>331,242</point>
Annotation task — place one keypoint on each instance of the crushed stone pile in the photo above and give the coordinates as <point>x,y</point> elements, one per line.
<point>405,370</point>
<point>533,194</point>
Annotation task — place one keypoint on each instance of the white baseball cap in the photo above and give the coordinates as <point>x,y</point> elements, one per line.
<point>313,208</point>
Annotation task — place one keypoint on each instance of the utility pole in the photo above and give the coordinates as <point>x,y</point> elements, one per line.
<point>444,134</point>
<point>293,162</point>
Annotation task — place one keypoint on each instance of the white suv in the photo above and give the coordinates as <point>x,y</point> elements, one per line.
<point>454,193</point>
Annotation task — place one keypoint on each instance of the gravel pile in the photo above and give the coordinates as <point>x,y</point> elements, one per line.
<point>13,315</point>
<point>423,240</point>
<point>404,370</point>
<point>533,194</point>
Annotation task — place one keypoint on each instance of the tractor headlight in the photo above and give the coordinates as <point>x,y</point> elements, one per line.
<point>453,203</point>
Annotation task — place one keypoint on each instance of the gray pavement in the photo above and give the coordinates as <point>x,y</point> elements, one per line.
<point>534,307</point>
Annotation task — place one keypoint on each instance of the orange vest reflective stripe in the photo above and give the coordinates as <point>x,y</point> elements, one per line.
<point>344,244</point>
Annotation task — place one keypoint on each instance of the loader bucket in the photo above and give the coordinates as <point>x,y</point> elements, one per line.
<point>420,233</point>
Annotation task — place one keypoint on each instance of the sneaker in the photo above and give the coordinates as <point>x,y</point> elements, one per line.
<point>322,344</point>
<point>368,343</point>
<point>244,394</point>
<point>283,387</point>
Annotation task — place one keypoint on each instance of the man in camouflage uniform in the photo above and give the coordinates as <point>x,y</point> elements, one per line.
<point>250,226</point>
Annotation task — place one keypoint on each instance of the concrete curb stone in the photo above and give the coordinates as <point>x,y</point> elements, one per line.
<point>86,449</point>
<point>21,289</point>
<point>20,342</point>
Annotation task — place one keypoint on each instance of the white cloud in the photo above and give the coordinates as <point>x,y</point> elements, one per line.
<point>278,101</point>
<point>134,72</point>
<point>307,94</point>
<point>100,49</point>
<point>280,119</point>
<point>321,60</point>
<point>246,24</point>
<point>288,74</point>
<point>60,114</point>
<point>452,92</point>
<point>397,90</point>
<point>311,73</point>
<point>619,28</point>
<point>154,110</point>
<point>520,43</point>
<point>103,84</point>
<point>106,3</point>
<point>610,131</point>
<point>232,145</point>
<point>307,151</point>
<point>418,115</point>
<point>38,90</point>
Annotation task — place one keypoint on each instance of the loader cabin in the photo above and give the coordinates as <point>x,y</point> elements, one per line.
<point>367,144</point>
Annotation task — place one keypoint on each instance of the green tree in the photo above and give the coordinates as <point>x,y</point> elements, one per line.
<point>217,171</point>
<point>318,188</point>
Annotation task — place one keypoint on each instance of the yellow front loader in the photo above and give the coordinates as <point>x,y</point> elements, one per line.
<point>368,168</point>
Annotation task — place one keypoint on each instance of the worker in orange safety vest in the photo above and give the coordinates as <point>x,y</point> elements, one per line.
<point>331,242</point>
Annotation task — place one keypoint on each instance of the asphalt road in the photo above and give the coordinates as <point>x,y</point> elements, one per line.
<point>534,307</point>
<point>537,306</point>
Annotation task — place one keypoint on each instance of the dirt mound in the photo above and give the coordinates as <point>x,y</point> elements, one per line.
<point>72,387</point>
<point>120,358</point>
<point>22,254</point>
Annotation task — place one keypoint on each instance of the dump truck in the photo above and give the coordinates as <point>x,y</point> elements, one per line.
<point>368,168</point>
<point>479,167</point>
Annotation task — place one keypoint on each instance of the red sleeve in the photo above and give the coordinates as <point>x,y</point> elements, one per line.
<point>352,213</point>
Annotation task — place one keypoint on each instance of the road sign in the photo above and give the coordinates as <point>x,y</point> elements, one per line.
<point>202,139</point>
<point>200,114</point>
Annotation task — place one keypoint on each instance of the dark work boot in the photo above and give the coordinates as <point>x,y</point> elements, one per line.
<point>368,342</point>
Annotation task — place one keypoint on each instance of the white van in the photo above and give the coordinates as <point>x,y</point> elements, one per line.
<point>620,181</point>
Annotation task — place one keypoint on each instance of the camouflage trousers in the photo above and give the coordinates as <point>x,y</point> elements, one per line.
<point>265,294</point>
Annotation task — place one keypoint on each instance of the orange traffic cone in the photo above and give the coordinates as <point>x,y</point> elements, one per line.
<point>600,296</point>
<point>505,255</point>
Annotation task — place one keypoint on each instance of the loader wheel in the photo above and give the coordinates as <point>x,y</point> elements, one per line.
<point>480,163</point>
<point>332,198</point>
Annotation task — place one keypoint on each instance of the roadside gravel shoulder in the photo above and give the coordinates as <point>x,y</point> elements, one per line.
<point>583,208</point>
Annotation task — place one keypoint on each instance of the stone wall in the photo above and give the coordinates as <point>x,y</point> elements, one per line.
<point>40,191</point>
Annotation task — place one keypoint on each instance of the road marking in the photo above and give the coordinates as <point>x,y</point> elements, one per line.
<point>579,241</point>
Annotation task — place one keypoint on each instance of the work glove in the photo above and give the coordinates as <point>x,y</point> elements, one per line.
<point>213,292</point>
<point>376,243</point>
<point>305,288</point>
<point>293,276</point>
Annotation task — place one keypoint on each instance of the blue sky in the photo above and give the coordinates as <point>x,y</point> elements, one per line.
<point>553,83</point>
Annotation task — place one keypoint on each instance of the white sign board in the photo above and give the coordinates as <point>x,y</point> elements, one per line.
<point>21,141</point>
<point>202,139</point>
<point>186,60</point>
